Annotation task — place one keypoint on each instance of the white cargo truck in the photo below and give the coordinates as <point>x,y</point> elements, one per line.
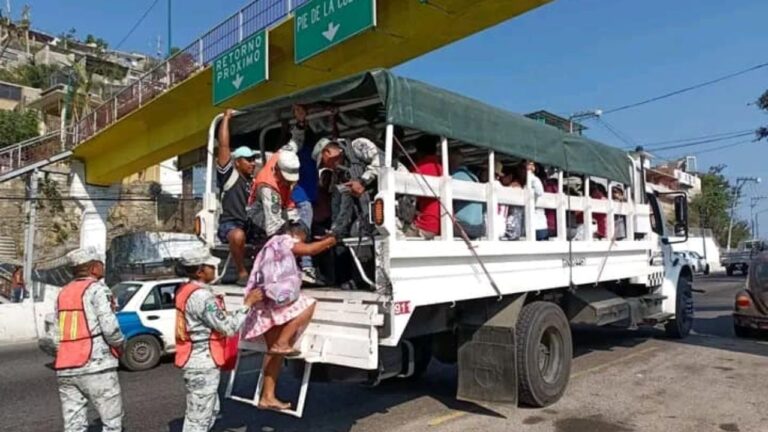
<point>501,310</point>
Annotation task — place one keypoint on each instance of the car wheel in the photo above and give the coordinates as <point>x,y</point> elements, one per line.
<point>744,269</point>
<point>742,332</point>
<point>729,270</point>
<point>141,353</point>
<point>544,352</point>
<point>680,327</point>
<point>706,270</point>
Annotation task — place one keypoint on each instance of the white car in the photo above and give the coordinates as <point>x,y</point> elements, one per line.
<point>697,262</point>
<point>146,313</point>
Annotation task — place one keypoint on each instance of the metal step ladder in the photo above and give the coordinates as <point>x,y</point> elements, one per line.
<point>254,400</point>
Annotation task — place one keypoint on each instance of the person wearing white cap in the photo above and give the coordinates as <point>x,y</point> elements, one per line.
<point>270,204</point>
<point>203,329</point>
<point>88,342</point>
<point>234,173</point>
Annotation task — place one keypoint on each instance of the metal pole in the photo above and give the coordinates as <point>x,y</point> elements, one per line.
<point>169,28</point>
<point>29,237</point>
<point>730,220</point>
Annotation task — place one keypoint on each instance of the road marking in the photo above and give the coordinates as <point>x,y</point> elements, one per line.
<point>614,362</point>
<point>437,421</point>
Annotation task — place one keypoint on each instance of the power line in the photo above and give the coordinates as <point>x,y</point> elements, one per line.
<point>685,89</point>
<point>697,143</point>
<point>626,139</point>
<point>137,24</point>
<point>681,140</point>
<point>723,147</point>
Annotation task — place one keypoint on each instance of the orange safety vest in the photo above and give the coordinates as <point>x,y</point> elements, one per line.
<point>268,177</point>
<point>76,340</point>
<point>217,343</point>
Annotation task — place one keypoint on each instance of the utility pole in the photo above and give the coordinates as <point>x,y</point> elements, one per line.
<point>752,205</point>
<point>757,222</point>
<point>29,233</point>
<point>581,116</point>
<point>740,182</point>
<point>169,28</point>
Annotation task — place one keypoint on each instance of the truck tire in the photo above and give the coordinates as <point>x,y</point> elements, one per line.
<point>706,270</point>
<point>141,353</point>
<point>680,326</point>
<point>729,270</point>
<point>744,269</point>
<point>544,352</point>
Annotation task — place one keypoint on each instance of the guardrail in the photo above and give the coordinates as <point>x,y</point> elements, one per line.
<point>254,17</point>
<point>31,152</point>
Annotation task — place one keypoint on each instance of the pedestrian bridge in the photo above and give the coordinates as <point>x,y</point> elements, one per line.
<point>167,112</point>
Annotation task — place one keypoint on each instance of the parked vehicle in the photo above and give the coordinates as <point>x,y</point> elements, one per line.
<point>501,309</point>
<point>698,263</point>
<point>750,314</point>
<point>147,316</point>
<point>740,258</point>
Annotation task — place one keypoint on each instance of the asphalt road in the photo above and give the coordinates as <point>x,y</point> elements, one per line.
<point>617,378</point>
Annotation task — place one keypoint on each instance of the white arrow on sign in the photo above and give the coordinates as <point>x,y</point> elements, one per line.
<point>238,80</point>
<point>331,32</point>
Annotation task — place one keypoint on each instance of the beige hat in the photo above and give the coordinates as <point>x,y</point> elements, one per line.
<point>85,255</point>
<point>317,151</point>
<point>197,257</point>
<point>289,164</point>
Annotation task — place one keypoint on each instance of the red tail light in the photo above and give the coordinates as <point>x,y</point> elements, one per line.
<point>198,226</point>
<point>743,301</point>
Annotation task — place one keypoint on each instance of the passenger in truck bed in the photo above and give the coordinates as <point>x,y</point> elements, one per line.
<point>234,170</point>
<point>355,166</point>
<point>427,222</point>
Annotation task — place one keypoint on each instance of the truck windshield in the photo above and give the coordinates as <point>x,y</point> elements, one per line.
<point>123,292</point>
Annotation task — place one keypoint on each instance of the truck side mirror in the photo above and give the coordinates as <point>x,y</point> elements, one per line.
<point>681,216</point>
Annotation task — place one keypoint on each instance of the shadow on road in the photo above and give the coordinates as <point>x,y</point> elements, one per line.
<point>338,406</point>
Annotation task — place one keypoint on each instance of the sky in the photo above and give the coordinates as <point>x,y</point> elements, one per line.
<point>565,57</point>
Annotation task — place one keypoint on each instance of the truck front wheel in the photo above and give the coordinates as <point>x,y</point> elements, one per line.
<point>680,326</point>
<point>729,270</point>
<point>544,352</point>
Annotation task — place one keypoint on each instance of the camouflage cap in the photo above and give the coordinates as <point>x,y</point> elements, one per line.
<point>85,255</point>
<point>197,257</point>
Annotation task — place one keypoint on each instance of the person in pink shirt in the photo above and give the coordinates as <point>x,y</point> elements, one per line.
<point>427,222</point>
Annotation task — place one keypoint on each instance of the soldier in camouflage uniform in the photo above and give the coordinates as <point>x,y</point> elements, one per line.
<point>94,378</point>
<point>356,167</point>
<point>201,321</point>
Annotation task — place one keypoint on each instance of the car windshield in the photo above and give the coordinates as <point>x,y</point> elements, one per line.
<point>123,293</point>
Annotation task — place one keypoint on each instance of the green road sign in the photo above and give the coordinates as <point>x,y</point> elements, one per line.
<point>321,24</point>
<point>241,67</point>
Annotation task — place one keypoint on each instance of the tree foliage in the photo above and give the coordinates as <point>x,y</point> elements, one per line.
<point>30,75</point>
<point>762,103</point>
<point>712,208</point>
<point>17,126</point>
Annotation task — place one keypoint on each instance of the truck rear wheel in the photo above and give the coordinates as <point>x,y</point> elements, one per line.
<point>744,269</point>
<point>680,326</point>
<point>729,270</point>
<point>544,352</point>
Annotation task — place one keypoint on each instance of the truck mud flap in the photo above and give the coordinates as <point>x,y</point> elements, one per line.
<point>487,365</point>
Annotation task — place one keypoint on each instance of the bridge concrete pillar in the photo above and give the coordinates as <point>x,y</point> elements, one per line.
<point>95,202</point>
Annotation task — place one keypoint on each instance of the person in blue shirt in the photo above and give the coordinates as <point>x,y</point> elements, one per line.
<point>305,192</point>
<point>468,214</point>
